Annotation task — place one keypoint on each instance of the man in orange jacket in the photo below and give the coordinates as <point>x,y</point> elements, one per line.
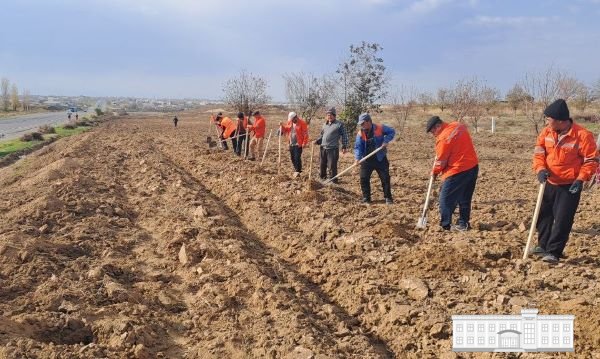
<point>227,129</point>
<point>458,165</point>
<point>258,128</point>
<point>297,133</point>
<point>565,156</point>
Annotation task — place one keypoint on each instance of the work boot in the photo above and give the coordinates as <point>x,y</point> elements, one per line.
<point>389,201</point>
<point>550,258</point>
<point>460,227</point>
<point>366,200</point>
<point>537,251</point>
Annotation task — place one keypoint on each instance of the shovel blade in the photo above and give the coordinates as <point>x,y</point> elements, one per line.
<point>422,222</point>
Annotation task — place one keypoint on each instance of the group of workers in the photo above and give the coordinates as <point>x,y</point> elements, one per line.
<point>565,157</point>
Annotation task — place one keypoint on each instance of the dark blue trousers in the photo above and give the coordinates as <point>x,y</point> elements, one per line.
<point>458,191</point>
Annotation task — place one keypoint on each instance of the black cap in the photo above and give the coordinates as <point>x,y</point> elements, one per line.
<point>256,113</point>
<point>432,122</point>
<point>558,110</point>
<point>331,111</point>
<point>220,114</point>
<point>240,115</point>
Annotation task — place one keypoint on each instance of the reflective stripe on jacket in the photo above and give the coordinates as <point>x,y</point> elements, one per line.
<point>569,157</point>
<point>454,150</point>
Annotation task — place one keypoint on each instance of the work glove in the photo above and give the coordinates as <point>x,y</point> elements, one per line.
<point>576,187</point>
<point>543,176</point>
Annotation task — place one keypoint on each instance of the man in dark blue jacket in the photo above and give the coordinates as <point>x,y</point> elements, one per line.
<point>369,138</point>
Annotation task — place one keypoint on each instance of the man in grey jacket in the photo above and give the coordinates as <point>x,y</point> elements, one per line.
<point>332,132</point>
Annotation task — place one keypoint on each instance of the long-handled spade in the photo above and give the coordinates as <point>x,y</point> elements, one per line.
<point>266,148</point>
<point>353,165</point>
<point>279,152</point>
<point>534,220</point>
<point>422,222</point>
<point>310,165</point>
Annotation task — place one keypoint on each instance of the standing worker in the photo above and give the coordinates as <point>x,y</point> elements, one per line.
<point>297,132</point>
<point>456,161</point>
<point>259,128</point>
<point>565,156</point>
<point>332,132</point>
<point>175,120</point>
<point>369,138</point>
<point>240,133</point>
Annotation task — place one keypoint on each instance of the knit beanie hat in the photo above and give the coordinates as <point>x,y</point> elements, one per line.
<point>558,110</point>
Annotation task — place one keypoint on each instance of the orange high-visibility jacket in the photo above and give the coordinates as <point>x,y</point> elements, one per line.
<point>454,150</point>
<point>301,131</point>
<point>228,127</point>
<point>258,127</point>
<point>569,157</point>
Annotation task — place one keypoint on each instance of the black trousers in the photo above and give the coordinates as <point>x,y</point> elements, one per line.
<point>383,170</point>
<point>458,190</point>
<point>238,143</point>
<point>296,156</point>
<point>555,220</point>
<point>329,161</point>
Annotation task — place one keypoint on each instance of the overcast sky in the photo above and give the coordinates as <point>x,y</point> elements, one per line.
<point>187,48</point>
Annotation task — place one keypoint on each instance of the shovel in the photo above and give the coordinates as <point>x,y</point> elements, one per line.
<point>353,165</point>
<point>310,165</point>
<point>536,213</point>
<point>422,222</point>
<point>266,148</point>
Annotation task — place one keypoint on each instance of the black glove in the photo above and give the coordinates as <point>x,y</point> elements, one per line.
<point>318,142</point>
<point>543,176</point>
<point>576,187</point>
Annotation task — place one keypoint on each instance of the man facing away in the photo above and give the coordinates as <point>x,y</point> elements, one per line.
<point>259,128</point>
<point>457,162</point>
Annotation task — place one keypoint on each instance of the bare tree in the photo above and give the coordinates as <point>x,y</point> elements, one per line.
<point>568,87</point>
<point>516,97</point>
<point>307,93</point>
<point>14,97</point>
<point>245,92</point>
<point>465,98</point>
<point>403,102</point>
<point>596,90</point>
<point>26,100</point>
<point>489,98</point>
<point>4,93</point>
<point>583,97</point>
<point>425,99</point>
<point>444,96</point>
<point>542,88</point>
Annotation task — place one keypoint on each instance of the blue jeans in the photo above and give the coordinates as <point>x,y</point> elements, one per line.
<point>457,190</point>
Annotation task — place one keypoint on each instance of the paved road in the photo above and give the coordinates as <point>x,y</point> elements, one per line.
<point>13,127</point>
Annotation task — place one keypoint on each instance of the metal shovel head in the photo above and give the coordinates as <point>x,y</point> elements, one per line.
<point>422,222</point>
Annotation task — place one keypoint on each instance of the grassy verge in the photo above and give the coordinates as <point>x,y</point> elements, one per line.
<point>16,145</point>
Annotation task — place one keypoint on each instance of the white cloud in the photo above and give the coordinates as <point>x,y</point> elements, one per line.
<point>482,20</point>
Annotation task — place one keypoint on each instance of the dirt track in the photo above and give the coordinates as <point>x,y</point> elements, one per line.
<point>136,240</point>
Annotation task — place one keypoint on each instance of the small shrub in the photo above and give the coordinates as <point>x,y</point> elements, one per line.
<point>588,118</point>
<point>34,136</point>
<point>82,123</point>
<point>69,126</point>
<point>47,129</point>
<point>99,112</point>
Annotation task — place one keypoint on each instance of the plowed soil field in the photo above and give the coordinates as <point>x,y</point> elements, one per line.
<point>137,240</point>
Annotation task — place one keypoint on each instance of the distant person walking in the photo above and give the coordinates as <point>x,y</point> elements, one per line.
<point>297,133</point>
<point>565,156</point>
<point>332,132</point>
<point>175,120</point>
<point>369,138</point>
<point>457,162</point>
<point>76,117</point>
<point>69,115</point>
